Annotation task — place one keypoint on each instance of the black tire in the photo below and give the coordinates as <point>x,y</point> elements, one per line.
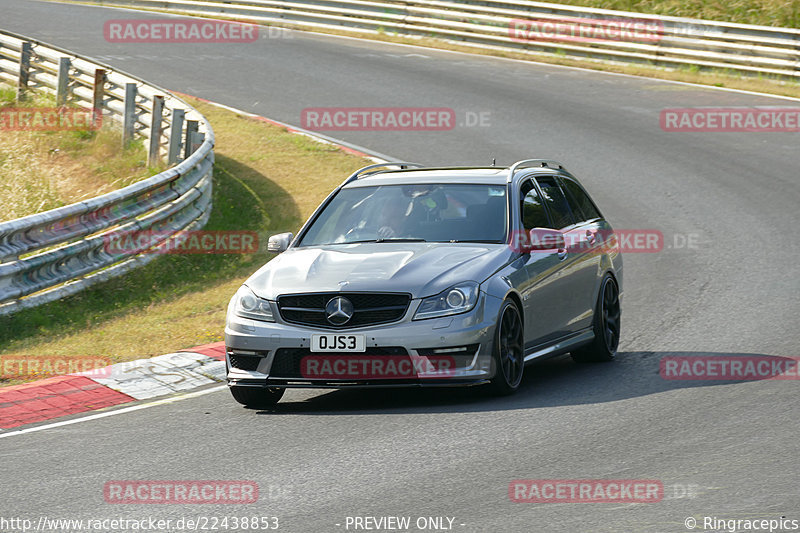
<point>257,397</point>
<point>606,326</point>
<point>508,352</point>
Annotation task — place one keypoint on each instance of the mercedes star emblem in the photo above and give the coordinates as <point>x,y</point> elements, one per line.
<point>339,310</point>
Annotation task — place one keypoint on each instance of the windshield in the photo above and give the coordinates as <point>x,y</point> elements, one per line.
<point>425,213</point>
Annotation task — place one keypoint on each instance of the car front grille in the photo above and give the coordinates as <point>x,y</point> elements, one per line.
<point>368,308</point>
<point>287,362</point>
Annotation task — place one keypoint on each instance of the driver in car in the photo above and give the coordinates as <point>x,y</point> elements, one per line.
<point>392,219</point>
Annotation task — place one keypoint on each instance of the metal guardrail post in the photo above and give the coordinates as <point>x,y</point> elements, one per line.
<point>129,114</point>
<point>24,70</point>
<point>62,90</point>
<point>175,136</point>
<point>156,127</point>
<point>197,140</point>
<point>191,129</point>
<point>97,94</point>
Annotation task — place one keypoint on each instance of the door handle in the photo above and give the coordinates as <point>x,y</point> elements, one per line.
<point>590,236</point>
<point>562,254</point>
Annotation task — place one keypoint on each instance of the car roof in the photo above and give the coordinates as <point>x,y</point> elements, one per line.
<point>466,175</point>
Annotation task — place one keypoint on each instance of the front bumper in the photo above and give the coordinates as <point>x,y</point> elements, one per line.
<point>277,354</point>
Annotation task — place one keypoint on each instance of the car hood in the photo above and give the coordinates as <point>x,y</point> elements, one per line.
<point>421,269</point>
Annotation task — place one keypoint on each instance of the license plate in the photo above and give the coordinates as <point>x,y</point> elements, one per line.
<point>338,343</point>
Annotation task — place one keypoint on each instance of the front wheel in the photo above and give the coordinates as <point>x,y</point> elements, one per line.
<point>257,397</point>
<point>508,355</point>
<point>606,326</point>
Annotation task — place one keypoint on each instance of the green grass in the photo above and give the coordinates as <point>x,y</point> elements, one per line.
<point>41,170</point>
<point>7,96</point>
<point>266,180</point>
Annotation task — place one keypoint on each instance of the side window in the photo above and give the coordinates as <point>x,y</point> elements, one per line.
<point>556,202</point>
<point>580,200</point>
<point>533,213</point>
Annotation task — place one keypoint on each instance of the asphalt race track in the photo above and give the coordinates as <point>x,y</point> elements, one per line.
<point>722,449</point>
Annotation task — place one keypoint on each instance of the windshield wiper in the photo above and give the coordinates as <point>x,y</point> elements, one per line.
<point>391,239</point>
<point>480,241</point>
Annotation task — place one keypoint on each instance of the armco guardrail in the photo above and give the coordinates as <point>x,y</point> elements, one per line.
<point>529,26</point>
<point>47,256</point>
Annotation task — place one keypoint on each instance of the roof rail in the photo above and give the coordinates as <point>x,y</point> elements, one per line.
<point>528,163</point>
<point>373,169</point>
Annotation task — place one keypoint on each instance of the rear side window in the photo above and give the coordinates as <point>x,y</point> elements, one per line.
<point>582,204</point>
<point>556,202</point>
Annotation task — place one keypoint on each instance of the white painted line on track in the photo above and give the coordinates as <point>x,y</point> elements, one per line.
<point>377,157</point>
<point>164,401</point>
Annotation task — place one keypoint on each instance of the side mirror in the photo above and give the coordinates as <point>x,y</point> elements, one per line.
<point>546,239</point>
<point>279,243</point>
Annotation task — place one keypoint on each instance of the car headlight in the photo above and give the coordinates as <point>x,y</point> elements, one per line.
<point>457,299</point>
<point>247,305</point>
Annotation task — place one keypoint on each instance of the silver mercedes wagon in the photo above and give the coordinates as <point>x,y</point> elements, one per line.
<point>415,276</point>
